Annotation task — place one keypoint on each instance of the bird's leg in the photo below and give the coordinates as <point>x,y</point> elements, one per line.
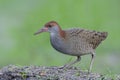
<point>91,63</point>
<point>68,65</point>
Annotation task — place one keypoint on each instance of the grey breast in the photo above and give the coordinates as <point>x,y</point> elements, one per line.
<point>59,44</point>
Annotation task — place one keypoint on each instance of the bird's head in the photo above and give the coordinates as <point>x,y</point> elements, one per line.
<point>51,27</point>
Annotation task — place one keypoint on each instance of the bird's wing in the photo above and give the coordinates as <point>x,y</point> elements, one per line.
<point>93,38</point>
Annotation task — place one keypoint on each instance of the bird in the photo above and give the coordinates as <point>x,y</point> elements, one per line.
<point>75,41</point>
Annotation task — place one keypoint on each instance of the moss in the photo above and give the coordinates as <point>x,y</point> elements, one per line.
<point>13,72</point>
<point>23,75</point>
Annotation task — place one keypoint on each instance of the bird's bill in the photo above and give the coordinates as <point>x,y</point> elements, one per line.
<point>44,29</point>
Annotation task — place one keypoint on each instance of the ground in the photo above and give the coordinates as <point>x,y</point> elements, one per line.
<point>13,72</point>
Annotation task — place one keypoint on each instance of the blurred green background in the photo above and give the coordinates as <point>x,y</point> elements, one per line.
<point>20,19</point>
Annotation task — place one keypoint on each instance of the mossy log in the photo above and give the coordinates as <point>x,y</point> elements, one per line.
<point>13,72</point>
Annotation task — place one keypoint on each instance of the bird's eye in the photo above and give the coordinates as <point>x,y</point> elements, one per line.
<point>49,26</point>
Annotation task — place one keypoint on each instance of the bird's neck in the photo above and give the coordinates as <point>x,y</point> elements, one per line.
<point>58,33</point>
<point>62,33</point>
<point>58,41</point>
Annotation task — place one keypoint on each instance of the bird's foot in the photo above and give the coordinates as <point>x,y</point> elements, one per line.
<point>62,67</point>
<point>89,72</point>
<point>65,67</point>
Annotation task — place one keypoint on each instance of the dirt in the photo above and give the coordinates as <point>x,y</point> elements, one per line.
<point>13,72</point>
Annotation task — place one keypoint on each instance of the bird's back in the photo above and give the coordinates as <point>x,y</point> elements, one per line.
<point>84,41</point>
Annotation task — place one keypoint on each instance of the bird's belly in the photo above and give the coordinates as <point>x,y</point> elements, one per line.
<point>79,49</point>
<point>70,48</point>
<point>60,45</point>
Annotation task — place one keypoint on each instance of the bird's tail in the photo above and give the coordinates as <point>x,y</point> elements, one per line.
<point>104,35</point>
